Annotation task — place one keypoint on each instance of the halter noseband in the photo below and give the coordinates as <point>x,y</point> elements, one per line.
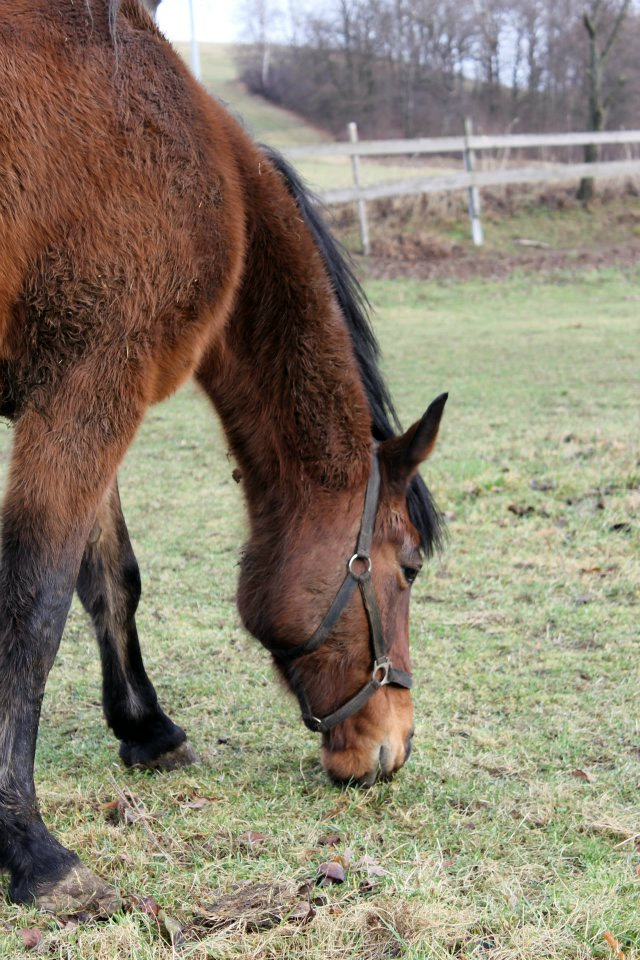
<point>383,671</point>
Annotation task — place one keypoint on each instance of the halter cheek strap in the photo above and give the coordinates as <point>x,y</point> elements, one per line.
<point>383,671</point>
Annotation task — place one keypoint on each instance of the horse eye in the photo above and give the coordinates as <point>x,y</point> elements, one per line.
<point>410,573</point>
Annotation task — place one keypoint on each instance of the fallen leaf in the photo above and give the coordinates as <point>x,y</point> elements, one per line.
<point>331,872</point>
<point>144,904</point>
<point>252,839</point>
<point>112,809</point>
<point>582,775</point>
<point>344,858</point>
<point>614,945</point>
<point>124,809</point>
<point>329,840</point>
<point>30,937</point>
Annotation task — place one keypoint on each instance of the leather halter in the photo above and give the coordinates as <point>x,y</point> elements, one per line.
<point>383,671</point>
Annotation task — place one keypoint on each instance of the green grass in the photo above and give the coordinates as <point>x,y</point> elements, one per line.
<point>513,831</point>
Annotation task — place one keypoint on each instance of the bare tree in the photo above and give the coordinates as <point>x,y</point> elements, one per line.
<point>261,19</point>
<point>417,67</point>
<point>602,21</point>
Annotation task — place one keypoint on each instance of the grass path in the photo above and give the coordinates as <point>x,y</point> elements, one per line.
<point>513,832</point>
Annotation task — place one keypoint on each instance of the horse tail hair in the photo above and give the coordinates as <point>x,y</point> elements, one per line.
<point>355,308</point>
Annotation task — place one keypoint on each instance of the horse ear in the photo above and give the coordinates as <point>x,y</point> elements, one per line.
<point>403,455</point>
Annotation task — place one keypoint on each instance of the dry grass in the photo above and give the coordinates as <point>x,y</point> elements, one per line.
<point>513,832</point>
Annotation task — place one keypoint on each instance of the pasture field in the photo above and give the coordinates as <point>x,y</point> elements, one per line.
<point>514,831</point>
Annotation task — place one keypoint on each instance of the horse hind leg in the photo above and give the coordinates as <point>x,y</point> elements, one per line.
<point>109,588</point>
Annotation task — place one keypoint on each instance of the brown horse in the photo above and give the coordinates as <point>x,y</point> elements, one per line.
<point>145,239</point>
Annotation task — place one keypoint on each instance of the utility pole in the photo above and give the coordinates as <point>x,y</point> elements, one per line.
<point>195,53</point>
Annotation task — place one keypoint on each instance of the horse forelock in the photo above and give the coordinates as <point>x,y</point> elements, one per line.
<point>354,306</point>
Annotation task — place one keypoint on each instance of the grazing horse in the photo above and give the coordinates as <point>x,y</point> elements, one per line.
<point>144,239</point>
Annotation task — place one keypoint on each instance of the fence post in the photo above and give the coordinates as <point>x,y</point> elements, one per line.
<point>473,193</point>
<point>195,52</point>
<point>362,206</point>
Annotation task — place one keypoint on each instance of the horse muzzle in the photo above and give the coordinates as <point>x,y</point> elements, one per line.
<point>355,768</point>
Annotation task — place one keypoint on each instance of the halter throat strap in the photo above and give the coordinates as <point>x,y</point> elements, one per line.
<point>358,576</point>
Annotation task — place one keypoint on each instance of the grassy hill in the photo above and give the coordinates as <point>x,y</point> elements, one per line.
<point>264,120</point>
<point>282,128</point>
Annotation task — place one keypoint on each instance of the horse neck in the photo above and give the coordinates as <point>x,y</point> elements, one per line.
<point>285,380</point>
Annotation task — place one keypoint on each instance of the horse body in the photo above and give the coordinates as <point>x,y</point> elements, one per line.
<point>144,239</point>
<point>140,235</point>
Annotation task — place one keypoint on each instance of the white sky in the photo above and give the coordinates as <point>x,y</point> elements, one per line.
<point>216,20</point>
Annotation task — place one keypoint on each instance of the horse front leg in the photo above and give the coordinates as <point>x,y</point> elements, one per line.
<point>58,473</point>
<point>109,588</point>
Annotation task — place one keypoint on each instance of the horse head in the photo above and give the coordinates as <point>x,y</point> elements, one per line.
<point>331,603</point>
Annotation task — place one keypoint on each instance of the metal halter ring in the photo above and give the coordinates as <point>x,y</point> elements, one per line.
<point>385,665</point>
<point>363,558</point>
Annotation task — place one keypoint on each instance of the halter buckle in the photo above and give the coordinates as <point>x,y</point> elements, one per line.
<point>383,664</point>
<point>363,558</point>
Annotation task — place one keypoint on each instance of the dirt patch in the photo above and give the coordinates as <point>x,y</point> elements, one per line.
<point>422,264</point>
<point>414,247</point>
<point>528,229</point>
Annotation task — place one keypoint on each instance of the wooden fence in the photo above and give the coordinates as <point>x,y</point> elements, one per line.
<point>471,179</point>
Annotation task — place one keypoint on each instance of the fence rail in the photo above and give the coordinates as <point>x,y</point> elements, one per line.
<point>556,173</point>
<point>435,145</point>
<point>472,179</point>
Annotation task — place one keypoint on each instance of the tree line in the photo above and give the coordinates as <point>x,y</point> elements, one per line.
<point>417,67</point>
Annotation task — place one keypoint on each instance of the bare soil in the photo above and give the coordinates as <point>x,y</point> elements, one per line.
<point>527,229</point>
<point>430,261</point>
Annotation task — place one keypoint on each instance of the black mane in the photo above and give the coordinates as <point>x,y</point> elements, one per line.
<point>355,308</point>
